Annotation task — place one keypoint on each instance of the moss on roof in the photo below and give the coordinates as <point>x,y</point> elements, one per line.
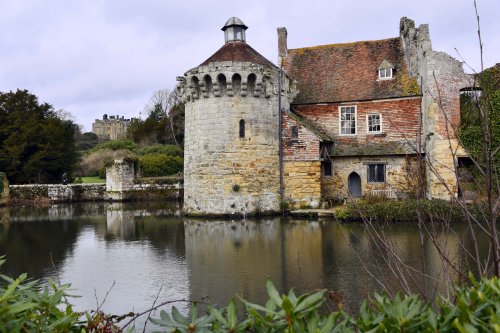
<point>373,149</point>
<point>310,127</point>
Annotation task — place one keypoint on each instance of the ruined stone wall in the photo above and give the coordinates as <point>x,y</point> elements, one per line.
<point>401,176</point>
<point>400,119</point>
<point>441,77</point>
<point>223,172</point>
<point>119,179</point>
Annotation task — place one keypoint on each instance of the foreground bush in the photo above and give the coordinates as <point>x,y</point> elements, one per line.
<point>476,309</point>
<point>27,306</point>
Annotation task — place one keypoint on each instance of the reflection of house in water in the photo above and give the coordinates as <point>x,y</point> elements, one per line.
<point>226,257</point>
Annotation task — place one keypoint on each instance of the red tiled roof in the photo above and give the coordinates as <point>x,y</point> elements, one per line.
<point>348,72</point>
<point>238,51</point>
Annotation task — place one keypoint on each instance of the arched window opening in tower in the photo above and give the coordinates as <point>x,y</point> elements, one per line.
<point>236,84</point>
<point>195,83</point>
<point>251,84</point>
<point>221,80</point>
<point>242,128</point>
<point>266,86</point>
<point>208,83</point>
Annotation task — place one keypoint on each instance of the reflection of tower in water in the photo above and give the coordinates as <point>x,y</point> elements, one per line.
<point>119,222</point>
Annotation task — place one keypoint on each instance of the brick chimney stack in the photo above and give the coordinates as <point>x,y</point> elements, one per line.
<point>282,44</point>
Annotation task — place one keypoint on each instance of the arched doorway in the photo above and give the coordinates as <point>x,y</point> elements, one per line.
<point>354,184</point>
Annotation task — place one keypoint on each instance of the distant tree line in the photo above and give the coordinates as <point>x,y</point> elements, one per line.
<point>36,145</point>
<point>164,123</point>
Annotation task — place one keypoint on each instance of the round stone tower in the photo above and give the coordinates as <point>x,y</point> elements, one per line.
<point>231,149</point>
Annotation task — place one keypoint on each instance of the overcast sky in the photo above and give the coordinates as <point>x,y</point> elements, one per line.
<point>91,57</point>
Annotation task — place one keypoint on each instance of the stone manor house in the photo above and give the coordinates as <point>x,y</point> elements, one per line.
<point>111,128</point>
<point>328,122</point>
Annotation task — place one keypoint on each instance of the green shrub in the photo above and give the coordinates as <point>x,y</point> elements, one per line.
<point>27,306</point>
<point>157,165</point>
<point>406,210</point>
<point>161,149</point>
<point>116,145</point>
<point>476,309</point>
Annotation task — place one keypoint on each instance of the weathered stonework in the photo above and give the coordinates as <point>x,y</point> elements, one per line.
<point>119,179</point>
<point>232,134</point>
<point>441,77</point>
<point>401,177</point>
<point>4,189</point>
<point>59,192</point>
<point>302,183</point>
<point>223,172</point>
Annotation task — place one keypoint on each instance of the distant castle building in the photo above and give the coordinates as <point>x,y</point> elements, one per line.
<point>331,122</point>
<point>111,128</point>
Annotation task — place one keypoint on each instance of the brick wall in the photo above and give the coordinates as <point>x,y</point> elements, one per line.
<point>400,119</point>
<point>304,148</point>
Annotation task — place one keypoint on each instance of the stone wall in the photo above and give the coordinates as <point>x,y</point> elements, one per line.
<point>4,189</point>
<point>441,77</point>
<point>302,183</point>
<point>226,172</point>
<point>120,177</point>
<point>58,192</point>
<point>95,192</point>
<point>301,165</point>
<point>401,176</point>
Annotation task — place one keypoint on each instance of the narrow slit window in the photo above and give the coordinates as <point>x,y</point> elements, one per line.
<point>242,128</point>
<point>295,133</point>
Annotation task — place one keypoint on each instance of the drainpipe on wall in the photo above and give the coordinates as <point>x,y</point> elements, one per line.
<point>280,140</point>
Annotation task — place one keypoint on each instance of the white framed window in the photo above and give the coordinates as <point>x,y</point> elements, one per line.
<point>385,73</point>
<point>347,117</point>
<point>374,123</point>
<point>376,173</point>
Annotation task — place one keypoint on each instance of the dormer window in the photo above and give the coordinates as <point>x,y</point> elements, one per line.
<point>385,70</point>
<point>385,73</point>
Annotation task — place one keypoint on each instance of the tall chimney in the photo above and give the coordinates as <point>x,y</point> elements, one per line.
<point>282,44</point>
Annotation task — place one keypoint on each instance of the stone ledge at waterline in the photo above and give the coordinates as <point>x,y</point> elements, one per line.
<point>94,192</point>
<point>121,185</point>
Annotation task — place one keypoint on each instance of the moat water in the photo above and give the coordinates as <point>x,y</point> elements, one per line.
<point>145,248</point>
